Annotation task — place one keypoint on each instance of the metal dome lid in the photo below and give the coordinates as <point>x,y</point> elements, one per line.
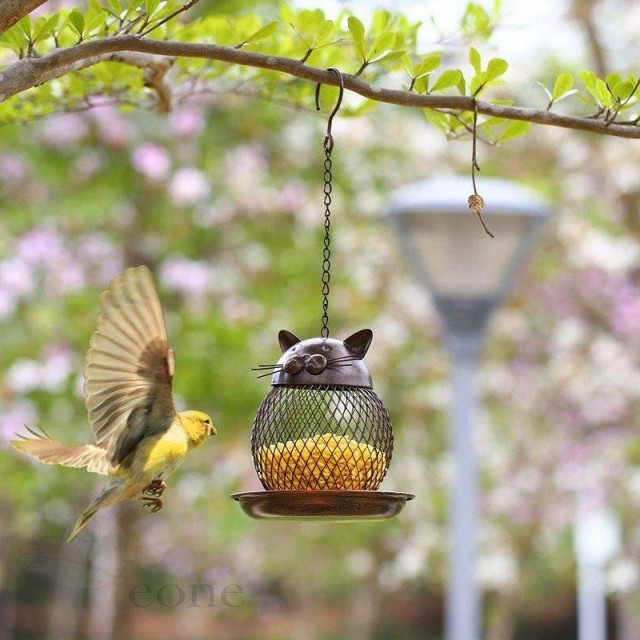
<point>323,361</point>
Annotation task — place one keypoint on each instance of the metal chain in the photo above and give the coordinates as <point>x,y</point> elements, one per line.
<point>326,252</point>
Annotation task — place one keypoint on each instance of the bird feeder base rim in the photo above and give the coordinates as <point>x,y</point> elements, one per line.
<point>329,505</point>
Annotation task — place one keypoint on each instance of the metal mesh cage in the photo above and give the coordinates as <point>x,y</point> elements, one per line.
<point>317,437</point>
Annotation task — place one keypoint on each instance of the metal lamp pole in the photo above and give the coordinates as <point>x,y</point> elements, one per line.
<point>468,275</point>
<point>596,541</point>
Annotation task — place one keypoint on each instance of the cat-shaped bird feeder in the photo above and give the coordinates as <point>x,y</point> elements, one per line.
<point>322,439</point>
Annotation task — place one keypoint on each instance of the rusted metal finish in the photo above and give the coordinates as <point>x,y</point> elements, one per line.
<point>325,505</point>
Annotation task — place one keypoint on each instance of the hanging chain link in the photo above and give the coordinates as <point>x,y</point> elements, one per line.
<point>326,252</point>
<point>328,177</point>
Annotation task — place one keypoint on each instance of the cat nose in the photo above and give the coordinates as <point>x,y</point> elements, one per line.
<point>316,364</point>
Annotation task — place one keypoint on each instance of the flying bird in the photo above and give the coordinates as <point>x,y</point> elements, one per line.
<point>140,439</point>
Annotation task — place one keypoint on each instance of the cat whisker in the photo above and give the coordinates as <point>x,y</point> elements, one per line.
<point>342,359</point>
<point>269,373</point>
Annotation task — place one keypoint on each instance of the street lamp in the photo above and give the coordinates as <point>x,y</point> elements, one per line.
<point>468,275</point>
<point>596,541</point>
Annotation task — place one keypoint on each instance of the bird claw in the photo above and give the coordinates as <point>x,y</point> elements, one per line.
<point>155,504</point>
<point>155,488</point>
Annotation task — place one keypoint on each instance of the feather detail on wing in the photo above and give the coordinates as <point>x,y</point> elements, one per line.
<point>129,366</point>
<point>49,451</point>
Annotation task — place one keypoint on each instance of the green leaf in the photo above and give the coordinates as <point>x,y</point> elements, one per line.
<point>495,68</point>
<point>514,129</point>
<point>475,60</point>
<point>324,31</point>
<point>389,56</point>
<point>549,96</point>
<point>563,84</point>
<point>566,94</point>
<point>437,119</point>
<point>589,80</point>
<point>76,20</point>
<point>448,78</point>
<point>603,95</point>
<point>384,42</point>
<point>429,64</point>
<point>356,29</point>
<point>623,90</point>
<point>613,79</point>
<point>44,27</point>
<point>264,32</point>
<point>116,6</point>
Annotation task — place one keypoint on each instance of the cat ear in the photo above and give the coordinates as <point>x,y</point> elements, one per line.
<point>360,342</point>
<point>287,340</point>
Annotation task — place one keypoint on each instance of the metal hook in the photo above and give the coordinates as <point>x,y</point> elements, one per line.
<point>328,139</point>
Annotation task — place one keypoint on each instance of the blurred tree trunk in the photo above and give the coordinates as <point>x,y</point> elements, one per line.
<point>70,579</point>
<point>628,616</point>
<point>501,619</point>
<point>113,576</point>
<point>362,613</point>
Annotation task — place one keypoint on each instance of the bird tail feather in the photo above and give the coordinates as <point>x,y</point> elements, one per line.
<point>49,451</point>
<point>106,498</point>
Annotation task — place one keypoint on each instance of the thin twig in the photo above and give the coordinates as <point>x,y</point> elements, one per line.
<point>171,16</point>
<point>475,201</point>
<point>474,159</point>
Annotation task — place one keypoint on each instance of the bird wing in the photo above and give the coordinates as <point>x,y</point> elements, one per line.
<point>129,366</point>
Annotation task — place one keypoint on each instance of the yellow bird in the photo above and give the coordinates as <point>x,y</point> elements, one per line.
<point>140,439</point>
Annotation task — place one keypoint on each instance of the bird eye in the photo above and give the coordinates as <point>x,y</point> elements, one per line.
<point>207,421</point>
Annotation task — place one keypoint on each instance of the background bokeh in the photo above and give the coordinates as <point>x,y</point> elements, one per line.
<point>222,198</point>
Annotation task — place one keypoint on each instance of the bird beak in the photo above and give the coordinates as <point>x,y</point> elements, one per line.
<point>213,431</point>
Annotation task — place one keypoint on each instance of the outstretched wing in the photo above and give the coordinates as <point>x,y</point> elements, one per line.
<point>41,446</point>
<point>129,366</point>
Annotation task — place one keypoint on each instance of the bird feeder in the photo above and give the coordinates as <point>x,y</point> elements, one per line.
<point>322,439</point>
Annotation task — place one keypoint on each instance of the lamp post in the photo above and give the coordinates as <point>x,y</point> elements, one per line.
<point>596,541</point>
<point>468,275</point>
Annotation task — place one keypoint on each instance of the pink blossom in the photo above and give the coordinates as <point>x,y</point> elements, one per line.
<point>13,168</point>
<point>16,278</point>
<point>192,278</point>
<point>64,131</point>
<point>185,123</point>
<point>42,247</point>
<point>7,304</point>
<point>151,160</point>
<point>13,419</point>
<point>189,186</point>
<point>113,129</point>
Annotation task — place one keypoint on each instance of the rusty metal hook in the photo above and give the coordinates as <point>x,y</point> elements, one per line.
<point>328,139</point>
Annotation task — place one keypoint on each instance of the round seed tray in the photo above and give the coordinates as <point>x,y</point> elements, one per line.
<point>337,505</point>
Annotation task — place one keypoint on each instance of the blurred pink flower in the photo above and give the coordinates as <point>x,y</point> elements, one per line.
<point>87,165</point>
<point>16,278</point>
<point>113,129</point>
<point>7,304</point>
<point>151,160</point>
<point>189,186</point>
<point>13,419</point>
<point>42,247</point>
<point>191,278</point>
<point>13,168</point>
<point>64,131</point>
<point>23,376</point>
<point>185,123</point>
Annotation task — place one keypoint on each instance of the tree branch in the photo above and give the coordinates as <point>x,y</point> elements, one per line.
<point>30,72</point>
<point>12,10</point>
